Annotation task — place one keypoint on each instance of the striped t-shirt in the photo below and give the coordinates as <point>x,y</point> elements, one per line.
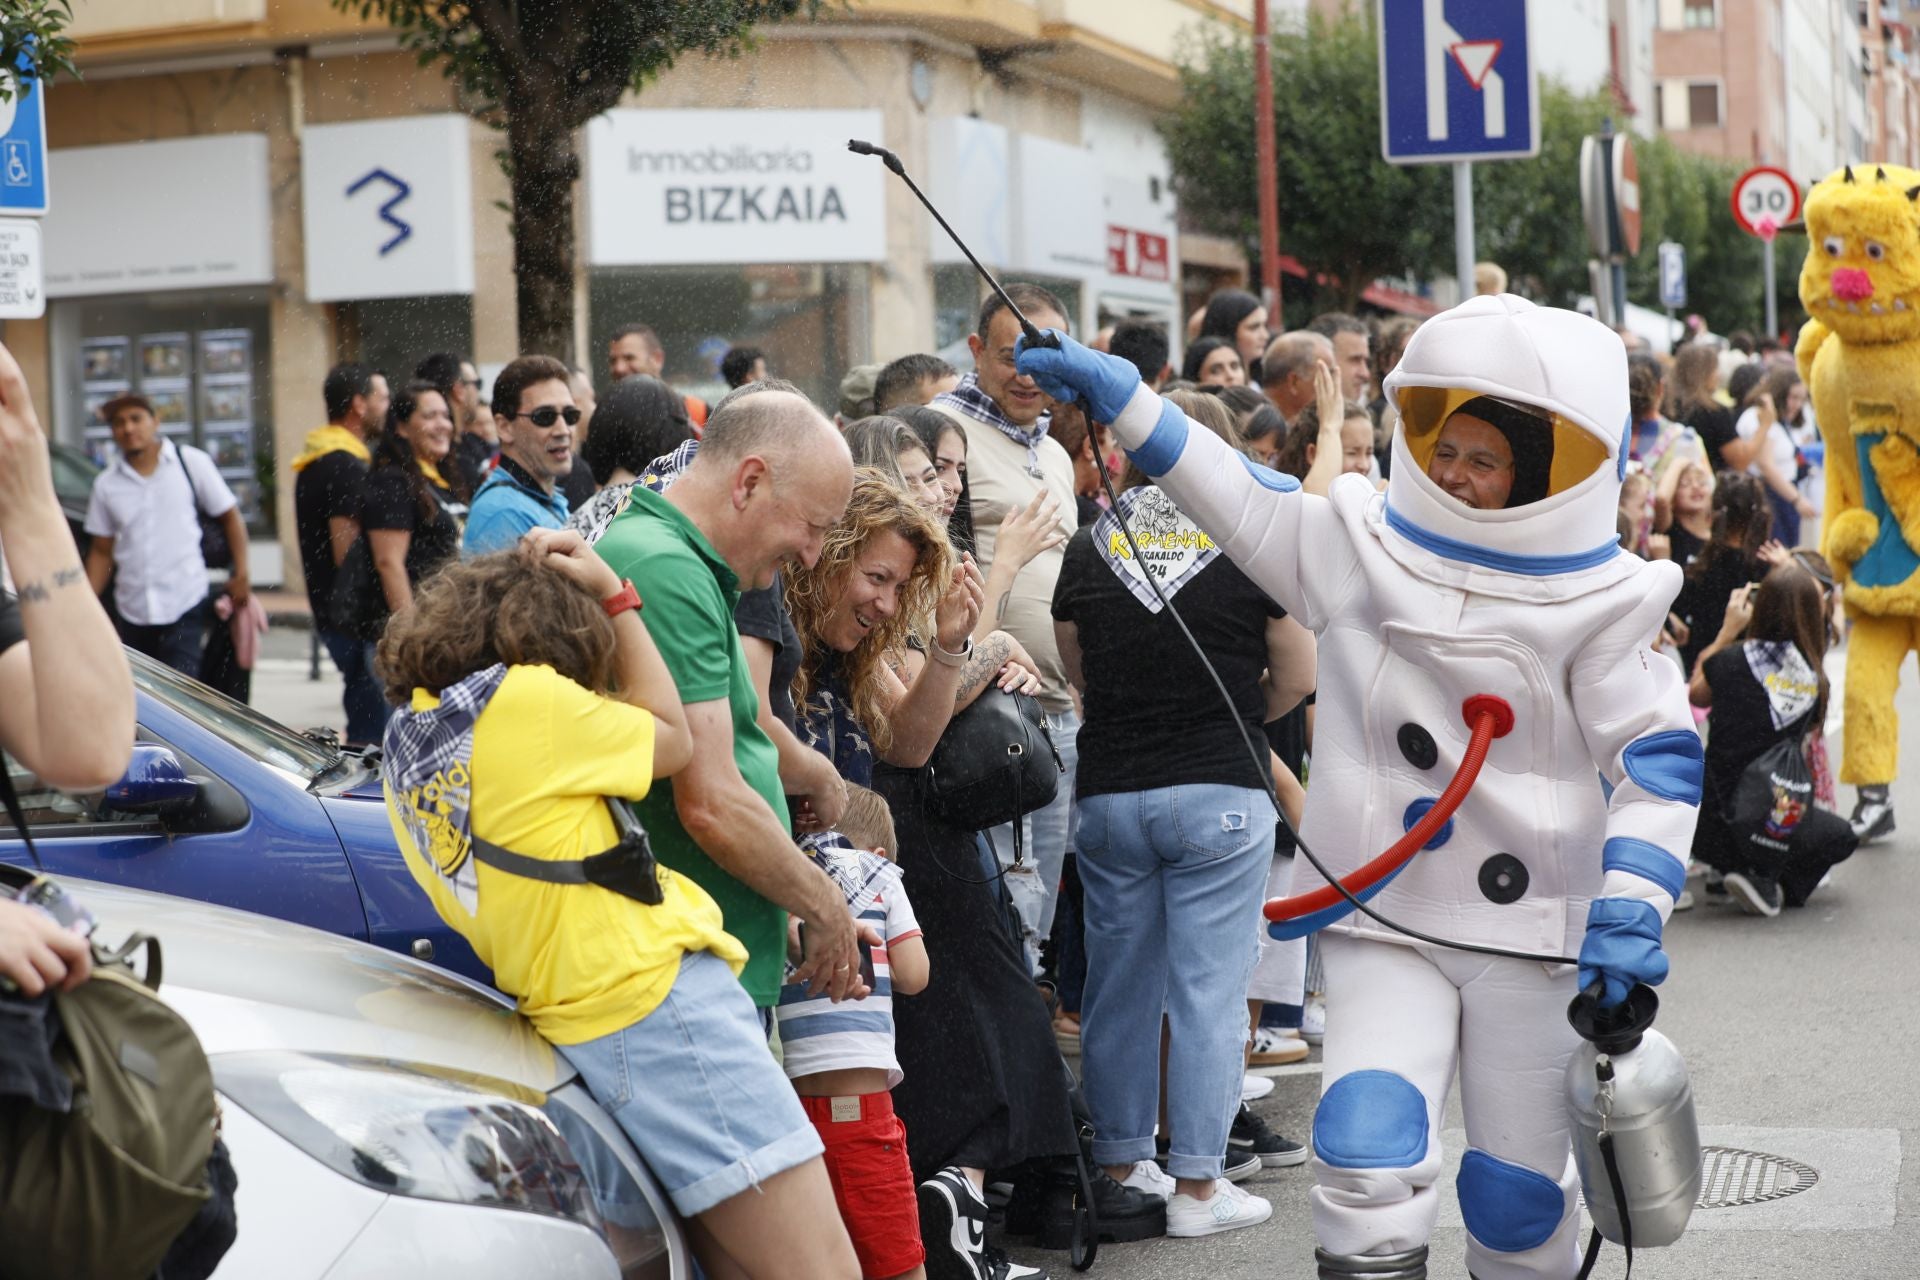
<point>815,1033</point>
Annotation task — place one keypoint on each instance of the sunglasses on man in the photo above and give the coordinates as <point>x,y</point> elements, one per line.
<point>546,415</point>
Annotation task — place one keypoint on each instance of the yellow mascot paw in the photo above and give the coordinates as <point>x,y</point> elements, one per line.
<point>1849,536</point>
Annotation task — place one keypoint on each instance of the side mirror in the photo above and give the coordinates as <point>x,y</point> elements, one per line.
<point>154,783</point>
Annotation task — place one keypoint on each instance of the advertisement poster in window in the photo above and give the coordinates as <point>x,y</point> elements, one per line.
<point>163,355</point>
<point>225,352</point>
<point>105,360</point>
<point>227,401</point>
<point>231,448</point>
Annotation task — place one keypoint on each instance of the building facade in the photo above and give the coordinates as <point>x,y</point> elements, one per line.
<point>246,191</point>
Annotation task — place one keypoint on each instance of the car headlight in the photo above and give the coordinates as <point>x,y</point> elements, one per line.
<point>410,1132</point>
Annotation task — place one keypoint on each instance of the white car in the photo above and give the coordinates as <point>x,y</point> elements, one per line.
<point>388,1119</point>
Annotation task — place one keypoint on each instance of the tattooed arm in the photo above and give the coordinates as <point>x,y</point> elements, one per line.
<point>66,695</point>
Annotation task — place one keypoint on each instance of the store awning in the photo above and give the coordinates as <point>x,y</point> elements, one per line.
<point>1376,294</point>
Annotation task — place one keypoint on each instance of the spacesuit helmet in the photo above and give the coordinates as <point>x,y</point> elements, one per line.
<point>1494,383</point>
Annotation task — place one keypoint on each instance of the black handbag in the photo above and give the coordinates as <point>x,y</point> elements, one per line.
<point>213,535</point>
<point>996,763</point>
<point>1776,827</point>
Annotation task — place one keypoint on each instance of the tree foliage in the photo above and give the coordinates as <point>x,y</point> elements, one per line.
<point>539,70</point>
<point>1347,213</point>
<point>1344,211</point>
<point>33,44</point>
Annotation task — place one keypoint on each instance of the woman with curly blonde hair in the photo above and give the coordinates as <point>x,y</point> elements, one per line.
<point>885,617</point>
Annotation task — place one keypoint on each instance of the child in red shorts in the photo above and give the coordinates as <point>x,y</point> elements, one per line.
<point>840,1056</point>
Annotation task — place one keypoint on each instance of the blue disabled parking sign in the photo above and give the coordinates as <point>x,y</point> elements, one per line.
<point>1457,81</point>
<point>23,150</point>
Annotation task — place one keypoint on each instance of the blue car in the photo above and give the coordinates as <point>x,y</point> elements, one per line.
<point>224,805</point>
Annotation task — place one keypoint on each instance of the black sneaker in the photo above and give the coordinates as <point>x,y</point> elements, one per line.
<point>1872,815</point>
<point>1239,1166</point>
<point>1121,1214</point>
<point>1251,1136</point>
<point>1756,895</point>
<point>953,1226</point>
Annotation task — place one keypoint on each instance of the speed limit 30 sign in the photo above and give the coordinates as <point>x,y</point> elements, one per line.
<point>1765,199</point>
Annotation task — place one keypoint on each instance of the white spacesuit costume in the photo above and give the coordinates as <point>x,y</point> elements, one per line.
<point>1573,839</point>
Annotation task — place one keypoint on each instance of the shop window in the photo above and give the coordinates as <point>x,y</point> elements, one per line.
<point>202,358</point>
<point>811,320</point>
<point>394,335</point>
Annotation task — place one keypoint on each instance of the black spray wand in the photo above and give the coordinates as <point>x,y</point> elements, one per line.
<point>1035,338</point>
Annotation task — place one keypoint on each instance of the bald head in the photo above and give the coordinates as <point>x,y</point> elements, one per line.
<point>770,481</point>
<point>1286,370</point>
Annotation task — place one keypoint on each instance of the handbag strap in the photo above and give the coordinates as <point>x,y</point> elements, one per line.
<point>16,813</point>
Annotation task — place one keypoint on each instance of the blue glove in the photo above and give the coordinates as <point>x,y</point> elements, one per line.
<point>1073,372</point>
<point>1622,947</point>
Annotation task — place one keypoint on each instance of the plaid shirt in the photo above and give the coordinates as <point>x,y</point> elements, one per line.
<point>432,751</point>
<point>969,399</point>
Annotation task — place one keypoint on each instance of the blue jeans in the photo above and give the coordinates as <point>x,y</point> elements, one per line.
<point>696,1088</point>
<point>1172,879</point>
<point>365,704</point>
<point>1046,834</point>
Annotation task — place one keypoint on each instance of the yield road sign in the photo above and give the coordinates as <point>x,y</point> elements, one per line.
<point>23,148</point>
<point>1764,200</point>
<point>1457,81</point>
<point>23,292</point>
<point>1673,274</point>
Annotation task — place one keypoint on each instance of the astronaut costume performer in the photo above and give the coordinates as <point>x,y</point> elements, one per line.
<point>1422,602</point>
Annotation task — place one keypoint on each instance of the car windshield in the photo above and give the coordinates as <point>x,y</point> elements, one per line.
<point>238,724</point>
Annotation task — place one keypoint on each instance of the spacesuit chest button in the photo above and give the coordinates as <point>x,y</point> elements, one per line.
<point>1416,744</point>
<point>1503,878</point>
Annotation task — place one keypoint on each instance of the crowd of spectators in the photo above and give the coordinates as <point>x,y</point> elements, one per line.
<point>824,595</point>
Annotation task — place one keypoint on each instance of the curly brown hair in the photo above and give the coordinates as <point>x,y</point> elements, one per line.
<point>876,507</point>
<point>504,607</point>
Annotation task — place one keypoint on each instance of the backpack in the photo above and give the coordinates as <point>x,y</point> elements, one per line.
<point>105,1189</point>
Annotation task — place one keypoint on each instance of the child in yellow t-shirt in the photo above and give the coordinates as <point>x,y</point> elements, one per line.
<point>497,768</point>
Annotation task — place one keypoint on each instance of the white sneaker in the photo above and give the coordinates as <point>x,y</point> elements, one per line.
<point>1227,1209</point>
<point>1313,1020</point>
<point>1151,1179</point>
<point>1274,1048</point>
<point>1253,1088</point>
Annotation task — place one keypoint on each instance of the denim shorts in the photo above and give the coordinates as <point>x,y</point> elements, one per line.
<point>694,1086</point>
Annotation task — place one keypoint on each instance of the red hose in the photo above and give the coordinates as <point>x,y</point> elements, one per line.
<point>1490,718</point>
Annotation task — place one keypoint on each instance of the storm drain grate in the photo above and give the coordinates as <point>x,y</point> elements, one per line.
<point>1731,1177</point>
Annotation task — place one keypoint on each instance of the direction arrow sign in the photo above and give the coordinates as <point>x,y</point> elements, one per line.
<point>23,149</point>
<point>23,293</point>
<point>1457,81</point>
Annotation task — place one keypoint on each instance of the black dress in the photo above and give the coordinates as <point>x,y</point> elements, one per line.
<point>985,1086</point>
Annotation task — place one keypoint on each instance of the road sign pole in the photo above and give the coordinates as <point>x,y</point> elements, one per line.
<point>1773,319</point>
<point>1463,226</point>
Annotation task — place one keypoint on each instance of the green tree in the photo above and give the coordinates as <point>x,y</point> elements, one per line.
<point>539,70</point>
<point>1344,211</point>
<point>32,42</point>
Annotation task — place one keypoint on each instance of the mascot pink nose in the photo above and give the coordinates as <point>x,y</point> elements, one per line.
<point>1852,285</point>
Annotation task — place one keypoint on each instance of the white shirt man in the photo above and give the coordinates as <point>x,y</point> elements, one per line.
<point>144,520</point>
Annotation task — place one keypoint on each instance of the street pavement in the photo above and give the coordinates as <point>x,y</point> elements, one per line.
<point>1801,1041</point>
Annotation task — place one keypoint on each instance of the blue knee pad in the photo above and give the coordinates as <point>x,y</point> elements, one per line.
<point>1371,1120</point>
<point>1508,1207</point>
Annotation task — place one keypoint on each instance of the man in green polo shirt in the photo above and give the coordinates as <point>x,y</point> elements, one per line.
<point>771,479</point>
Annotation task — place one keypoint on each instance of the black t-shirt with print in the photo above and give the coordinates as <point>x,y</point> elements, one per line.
<point>327,487</point>
<point>1684,546</point>
<point>1741,728</point>
<point>578,485</point>
<point>389,503</point>
<point>1153,718</point>
<point>763,615</point>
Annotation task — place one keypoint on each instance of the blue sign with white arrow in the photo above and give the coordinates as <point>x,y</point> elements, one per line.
<point>1457,81</point>
<point>23,149</point>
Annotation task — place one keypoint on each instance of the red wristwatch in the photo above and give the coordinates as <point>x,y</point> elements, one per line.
<point>622,600</point>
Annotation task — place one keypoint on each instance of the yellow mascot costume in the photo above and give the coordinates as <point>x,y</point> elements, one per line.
<point>1859,355</point>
